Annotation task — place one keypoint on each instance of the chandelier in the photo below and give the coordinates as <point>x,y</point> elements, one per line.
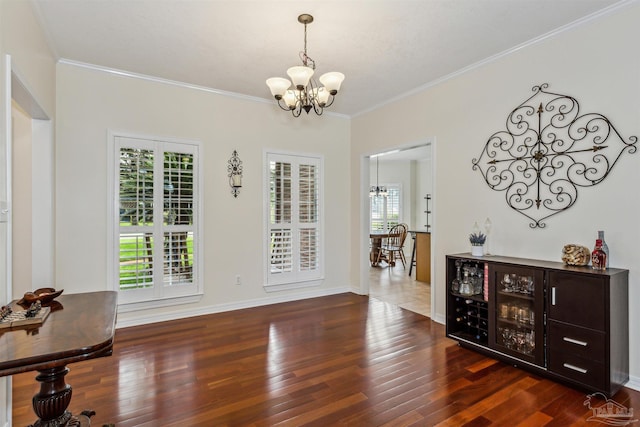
<point>377,190</point>
<point>306,93</point>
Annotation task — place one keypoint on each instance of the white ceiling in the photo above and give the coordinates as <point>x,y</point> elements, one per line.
<point>385,48</point>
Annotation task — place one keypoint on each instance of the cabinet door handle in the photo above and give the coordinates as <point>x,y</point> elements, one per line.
<point>574,368</point>
<point>572,341</point>
<point>553,295</point>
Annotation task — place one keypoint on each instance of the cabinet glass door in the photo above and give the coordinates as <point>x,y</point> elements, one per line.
<point>518,327</point>
<point>467,305</point>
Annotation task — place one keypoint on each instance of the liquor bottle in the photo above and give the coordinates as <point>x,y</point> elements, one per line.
<point>605,248</point>
<point>598,257</point>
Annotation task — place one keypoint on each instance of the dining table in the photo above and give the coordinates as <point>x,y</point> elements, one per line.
<point>78,327</point>
<point>377,238</point>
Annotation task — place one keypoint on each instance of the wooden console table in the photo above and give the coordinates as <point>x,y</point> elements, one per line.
<point>79,327</point>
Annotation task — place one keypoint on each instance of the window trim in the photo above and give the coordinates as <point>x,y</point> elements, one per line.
<point>302,280</point>
<point>188,294</point>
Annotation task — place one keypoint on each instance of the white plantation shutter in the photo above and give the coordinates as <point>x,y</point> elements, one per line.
<point>294,223</point>
<point>386,211</point>
<point>393,206</point>
<point>135,237</point>
<point>178,218</point>
<point>378,209</point>
<point>156,239</point>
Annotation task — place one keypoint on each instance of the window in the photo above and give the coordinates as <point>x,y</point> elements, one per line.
<point>385,211</point>
<point>294,233</point>
<point>155,224</point>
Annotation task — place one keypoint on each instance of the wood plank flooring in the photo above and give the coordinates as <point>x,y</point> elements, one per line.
<point>341,360</point>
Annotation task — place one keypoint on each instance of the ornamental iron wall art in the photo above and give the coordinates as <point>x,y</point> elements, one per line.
<point>547,152</point>
<point>234,171</point>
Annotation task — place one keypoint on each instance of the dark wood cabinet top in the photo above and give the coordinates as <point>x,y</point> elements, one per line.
<point>550,265</point>
<point>79,327</point>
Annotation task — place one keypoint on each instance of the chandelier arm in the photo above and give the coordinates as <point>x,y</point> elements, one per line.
<point>331,99</point>
<point>283,106</point>
<point>317,108</point>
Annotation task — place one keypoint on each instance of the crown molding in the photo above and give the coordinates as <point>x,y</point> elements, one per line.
<point>130,74</point>
<point>161,80</point>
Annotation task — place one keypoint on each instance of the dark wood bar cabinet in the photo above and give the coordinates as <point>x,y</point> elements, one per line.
<point>567,323</point>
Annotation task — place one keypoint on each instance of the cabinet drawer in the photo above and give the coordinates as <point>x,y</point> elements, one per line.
<point>585,371</point>
<point>569,339</point>
<point>578,300</point>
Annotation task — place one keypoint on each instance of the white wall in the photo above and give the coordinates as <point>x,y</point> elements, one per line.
<point>597,63</point>
<point>22,39</point>
<point>424,186</point>
<point>31,58</point>
<point>42,205</point>
<point>22,203</point>
<point>90,102</point>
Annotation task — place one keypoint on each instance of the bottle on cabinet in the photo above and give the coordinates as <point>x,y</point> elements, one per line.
<point>605,248</point>
<point>598,257</point>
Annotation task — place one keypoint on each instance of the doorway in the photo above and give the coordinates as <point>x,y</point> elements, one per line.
<point>406,176</point>
<point>26,198</point>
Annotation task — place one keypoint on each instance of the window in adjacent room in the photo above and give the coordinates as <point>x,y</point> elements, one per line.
<point>385,211</point>
<point>294,236</point>
<point>155,221</point>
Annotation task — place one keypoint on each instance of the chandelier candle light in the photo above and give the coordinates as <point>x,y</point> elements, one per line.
<point>306,93</point>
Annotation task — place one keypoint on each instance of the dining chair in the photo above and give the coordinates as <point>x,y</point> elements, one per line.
<point>394,244</point>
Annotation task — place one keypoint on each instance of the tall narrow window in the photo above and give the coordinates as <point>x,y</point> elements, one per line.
<point>385,211</point>
<point>294,251</point>
<point>156,251</point>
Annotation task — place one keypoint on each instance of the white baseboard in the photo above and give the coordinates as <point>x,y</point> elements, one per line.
<point>634,383</point>
<point>143,319</point>
<point>6,415</point>
<point>439,318</point>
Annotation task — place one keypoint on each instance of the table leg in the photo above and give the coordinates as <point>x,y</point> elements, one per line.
<point>51,402</point>
<point>373,257</point>
<point>375,248</point>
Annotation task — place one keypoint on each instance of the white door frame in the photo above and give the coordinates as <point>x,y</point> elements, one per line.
<point>5,382</point>
<point>17,90</point>
<point>364,263</point>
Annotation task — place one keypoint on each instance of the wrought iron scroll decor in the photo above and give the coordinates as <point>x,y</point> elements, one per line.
<point>234,171</point>
<point>547,152</point>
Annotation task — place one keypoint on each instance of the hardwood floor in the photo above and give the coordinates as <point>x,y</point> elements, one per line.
<point>341,360</point>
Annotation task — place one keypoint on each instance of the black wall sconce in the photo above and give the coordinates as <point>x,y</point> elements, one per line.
<point>235,173</point>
